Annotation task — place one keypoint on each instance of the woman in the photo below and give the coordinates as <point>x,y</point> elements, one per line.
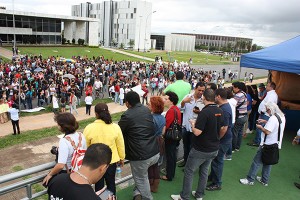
<point>156,105</point>
<point>270,135</point>
<point>88,103</point>
<point>14,116</point>
<point>89,89</point>
<point>171,100</point>
<point>106,132</point>
<point>68,125</point>
<point>249,93</point>
<point>55,104</point>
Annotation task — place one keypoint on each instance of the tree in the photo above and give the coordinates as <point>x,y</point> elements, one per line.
<point>73,41</point>
<point>63,41</point>
<point>39,39</point>
<point>254,47</point>
<point>122,46</point>
<point>114,43</point>
<point>131,43</point>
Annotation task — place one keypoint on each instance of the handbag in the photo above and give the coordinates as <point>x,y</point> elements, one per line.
<point>270,153</point>
<point>174,131</point>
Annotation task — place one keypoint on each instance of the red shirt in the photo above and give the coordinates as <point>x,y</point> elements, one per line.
<point>117,88</point>
<point>170,116</point>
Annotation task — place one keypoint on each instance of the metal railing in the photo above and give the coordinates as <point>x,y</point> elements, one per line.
<point>28,183</point>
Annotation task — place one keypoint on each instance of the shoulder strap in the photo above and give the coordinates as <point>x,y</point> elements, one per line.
<point>279,121</point>
<point>243,101</point>
<point>175,114</point>
<point>73,143</point>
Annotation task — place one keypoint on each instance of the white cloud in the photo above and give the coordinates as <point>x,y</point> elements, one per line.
<point>268,22</point>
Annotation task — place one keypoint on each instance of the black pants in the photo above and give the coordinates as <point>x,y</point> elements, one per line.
<point>109,178</point>
<point>15,125</point>
<point>170,149</point>
<point>187,143</point>
<point>88,109</point>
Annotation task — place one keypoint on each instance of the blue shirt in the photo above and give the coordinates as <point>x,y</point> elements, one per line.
<point>227,113</point>
<point>159,123</point>
<point>249,99</point>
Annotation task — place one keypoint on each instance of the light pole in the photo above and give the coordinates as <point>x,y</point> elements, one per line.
<point>146,29</point>
<point>14,44</point>
<point>140,34</point>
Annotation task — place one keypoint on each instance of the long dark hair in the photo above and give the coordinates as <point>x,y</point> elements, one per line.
<point>102,113</point>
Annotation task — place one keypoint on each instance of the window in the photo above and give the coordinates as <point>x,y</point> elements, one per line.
<point>134,10</point>
<point>131,16</point>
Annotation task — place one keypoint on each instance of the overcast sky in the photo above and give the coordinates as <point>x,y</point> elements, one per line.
<point>267,22</point>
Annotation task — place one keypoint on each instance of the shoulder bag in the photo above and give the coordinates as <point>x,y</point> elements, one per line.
<point>174,131</point>
<point>270,153</point>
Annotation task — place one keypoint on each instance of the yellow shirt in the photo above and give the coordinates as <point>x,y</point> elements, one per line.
<point>109,134</point>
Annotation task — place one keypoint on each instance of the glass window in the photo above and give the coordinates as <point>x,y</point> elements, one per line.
<point>52,26</point>
<point>25,24</point>
<point>134,10</point>
<point>18,24</point>
<point>45,26</point>
<point>9,23</point>
<point>131,15</point>
<point>52,39</point>
<point>39,20</point>
<point>2,22</point>
<point>45,39</point>
<point>58,28</point>
<point>39,27</point>
<point>58,39</point>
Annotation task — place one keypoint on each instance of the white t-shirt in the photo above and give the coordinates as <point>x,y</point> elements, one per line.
<point>55,102</point>
<point>88,100</point>
<point>98,84</point>
<point>121,96</point>
<point>270,97</point>
<point>14,114</point>
<point>232,102</point>
<point>298,132</point>
<point>65,150</point>
<point>272,125</point>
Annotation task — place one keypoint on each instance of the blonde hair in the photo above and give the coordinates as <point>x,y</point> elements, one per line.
<point>274,108</point>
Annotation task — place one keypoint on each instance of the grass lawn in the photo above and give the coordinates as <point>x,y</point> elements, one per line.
<point>198,57</point>
<point>28,136</point>
<point>5,60</point>
<point>68,52</point>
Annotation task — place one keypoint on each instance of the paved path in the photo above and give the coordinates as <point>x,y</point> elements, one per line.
<point>129,54</point>
<point>6,53</point>
<point>46,120</point>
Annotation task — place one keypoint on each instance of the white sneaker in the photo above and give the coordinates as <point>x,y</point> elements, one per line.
<point>258,178</point>
<point>248,131</point>
<point>194,195</point>
<point>245,181</point>
<point>176,197</point>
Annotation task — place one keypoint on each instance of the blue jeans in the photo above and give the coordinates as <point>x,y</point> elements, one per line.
<point>196,160</point>
<point>116,97</point>
<point>258,131</point>
<point>218,163</point>
<point>139,170</point>
<point>187,142</point>
<point>266,169</point>
<point>238,132</point>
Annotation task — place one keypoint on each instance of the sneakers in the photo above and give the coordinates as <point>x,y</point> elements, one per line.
<point>227,158</point>
<point>253,144</point>
<point>194,195</point>
<point>176,197</point>
<point>237,150</point>
<point>182,164</point>
<point>245,181</point>
<point>258,178</point>
<point>213,187</point>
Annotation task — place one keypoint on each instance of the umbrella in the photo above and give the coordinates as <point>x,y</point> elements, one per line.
<point>38,69</point>
<point>69,76</point>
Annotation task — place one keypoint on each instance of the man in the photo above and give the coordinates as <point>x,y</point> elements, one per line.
<point>180,87</point>
<point>191,105</point>
<point>117,91</point>
<point>141,146</point>
<point>240,96</point>
<point>225,141</point>
<point>206,141</point>
<point>271,96</point>
<point>77,185</point>
<point>262,92</point>
<point>98,85</point>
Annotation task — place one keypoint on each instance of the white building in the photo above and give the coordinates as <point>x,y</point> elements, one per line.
<point>173,42</point>
<point>120,22</point>
<point>39,28</point>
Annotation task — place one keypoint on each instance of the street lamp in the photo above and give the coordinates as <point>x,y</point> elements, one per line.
<point>140,34</point>
<point>14,26</point>
<point>146,29</point>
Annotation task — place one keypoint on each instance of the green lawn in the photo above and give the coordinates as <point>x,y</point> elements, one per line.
<point>68,52</point>
<point>198,57</point>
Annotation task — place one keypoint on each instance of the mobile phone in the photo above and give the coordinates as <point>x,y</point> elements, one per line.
<point>105,194</point>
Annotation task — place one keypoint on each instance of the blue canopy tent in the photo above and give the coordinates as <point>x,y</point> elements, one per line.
<point>284,61</point>
<point>284,57</point>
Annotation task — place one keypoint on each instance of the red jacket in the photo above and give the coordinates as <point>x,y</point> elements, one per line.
<point>170,116</point>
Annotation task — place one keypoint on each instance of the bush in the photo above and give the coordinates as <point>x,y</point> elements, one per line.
<point>73,41</point>
<point>63,41</point>
<point>68,41</point>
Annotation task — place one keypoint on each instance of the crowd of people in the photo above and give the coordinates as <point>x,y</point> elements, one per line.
<point>214,121</point>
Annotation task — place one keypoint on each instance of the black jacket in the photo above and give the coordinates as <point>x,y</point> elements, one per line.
<point>138,132</point>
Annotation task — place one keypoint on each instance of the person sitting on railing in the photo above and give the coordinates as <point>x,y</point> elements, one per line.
<point>77,186</point>
<point>68,125</point>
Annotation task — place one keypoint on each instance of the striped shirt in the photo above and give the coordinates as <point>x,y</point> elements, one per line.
<point>241,98</point>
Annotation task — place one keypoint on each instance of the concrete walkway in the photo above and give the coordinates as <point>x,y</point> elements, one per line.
<point>46,120</point>
<point>6,53</point>
<point>129,54</point>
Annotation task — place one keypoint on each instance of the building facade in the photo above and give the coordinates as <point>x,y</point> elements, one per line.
<point>173,42</point>
<point>218,40</point>
<point>37,28</point>
<point>120,22</point>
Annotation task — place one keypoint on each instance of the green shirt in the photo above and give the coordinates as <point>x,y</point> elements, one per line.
<point>181,88</point>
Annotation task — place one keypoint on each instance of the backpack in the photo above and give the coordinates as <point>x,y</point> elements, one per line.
<point>78,153</point>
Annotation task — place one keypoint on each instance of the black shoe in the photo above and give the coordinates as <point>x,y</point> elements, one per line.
<point>213,187</point>
<point>297,185</point>
<point>14,134</point>
<point>182,164</point>
<point>253,144</point>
